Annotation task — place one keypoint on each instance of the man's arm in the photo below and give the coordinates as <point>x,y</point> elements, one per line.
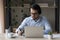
<point>47,27</point>
<point>20,29</point>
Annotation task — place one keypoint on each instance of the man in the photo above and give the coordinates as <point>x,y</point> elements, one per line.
<point>34,20</point>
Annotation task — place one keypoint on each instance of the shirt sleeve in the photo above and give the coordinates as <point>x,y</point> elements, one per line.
<point>23,24</point>
<point>47,27</point>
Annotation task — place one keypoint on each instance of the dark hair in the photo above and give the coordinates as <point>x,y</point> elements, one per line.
<point>36,7</point>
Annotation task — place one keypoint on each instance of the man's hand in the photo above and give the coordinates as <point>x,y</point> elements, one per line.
<point>20,32</point>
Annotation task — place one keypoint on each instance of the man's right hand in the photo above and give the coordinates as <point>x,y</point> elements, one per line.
<point>20,33</point>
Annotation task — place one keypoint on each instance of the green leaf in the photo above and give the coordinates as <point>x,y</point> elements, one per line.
<point>50,33</point>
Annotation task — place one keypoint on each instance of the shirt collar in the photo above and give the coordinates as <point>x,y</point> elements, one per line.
<point>40,18</point>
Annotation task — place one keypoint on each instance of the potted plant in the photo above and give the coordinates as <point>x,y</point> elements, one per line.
<point>50,36</point>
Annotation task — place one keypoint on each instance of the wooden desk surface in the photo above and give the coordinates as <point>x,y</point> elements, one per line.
<point>3,37</point>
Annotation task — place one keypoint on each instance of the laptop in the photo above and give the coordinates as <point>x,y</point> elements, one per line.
<point>33,32</point>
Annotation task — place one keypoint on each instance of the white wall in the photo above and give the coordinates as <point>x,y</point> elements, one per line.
<point>1,17</point>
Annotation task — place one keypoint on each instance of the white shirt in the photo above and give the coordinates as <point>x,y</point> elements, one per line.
<point>42,21</point>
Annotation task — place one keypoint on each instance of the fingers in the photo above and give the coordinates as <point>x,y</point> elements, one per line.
<point>20,32</point>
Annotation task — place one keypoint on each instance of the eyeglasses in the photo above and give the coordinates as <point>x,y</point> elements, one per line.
<point>34,13</point>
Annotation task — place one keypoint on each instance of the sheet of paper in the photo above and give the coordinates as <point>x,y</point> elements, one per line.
<point>54,36</point>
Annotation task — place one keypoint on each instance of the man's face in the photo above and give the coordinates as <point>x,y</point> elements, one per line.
<point>34,14</point>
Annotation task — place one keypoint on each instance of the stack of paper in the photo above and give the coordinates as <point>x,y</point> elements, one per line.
<point>54,36</point>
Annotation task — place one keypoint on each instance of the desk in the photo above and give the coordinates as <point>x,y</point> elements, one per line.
<point>2,37</point>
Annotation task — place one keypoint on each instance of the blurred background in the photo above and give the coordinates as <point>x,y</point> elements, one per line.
<point>12,12</point>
